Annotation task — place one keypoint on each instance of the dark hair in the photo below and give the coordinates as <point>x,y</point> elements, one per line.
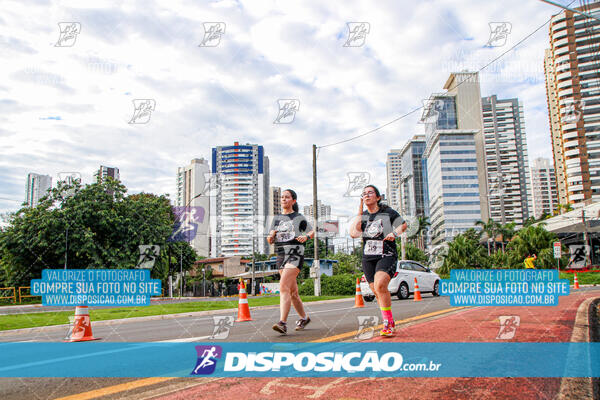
<point>381,206</point>
<point>295,197</point>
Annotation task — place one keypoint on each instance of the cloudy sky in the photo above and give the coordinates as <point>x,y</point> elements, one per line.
<point>66,103</point>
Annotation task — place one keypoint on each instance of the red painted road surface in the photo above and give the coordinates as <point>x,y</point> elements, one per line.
<point>481,324</point>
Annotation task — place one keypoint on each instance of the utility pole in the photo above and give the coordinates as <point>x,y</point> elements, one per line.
<point>402,244</point>
<point>181,272</point>
<point>66,246</point>
<point>170,275</point>
<point>585,237</point>
<point>316,266</point>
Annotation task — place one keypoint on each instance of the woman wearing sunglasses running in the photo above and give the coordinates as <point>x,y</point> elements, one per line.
<point>289,231</point>
<point>379,226</point>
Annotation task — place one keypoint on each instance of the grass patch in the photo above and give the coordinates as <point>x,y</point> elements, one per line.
<point>33,320</point>
<point>584,278</point>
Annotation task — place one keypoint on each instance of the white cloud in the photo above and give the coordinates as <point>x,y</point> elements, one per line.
<point>214,96</point>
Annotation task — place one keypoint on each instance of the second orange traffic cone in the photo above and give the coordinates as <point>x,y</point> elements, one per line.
<point>576,282</point>
<point>417,292</point>
<point>359,302</point>
<point>81,330</point>
<point>243,308</point>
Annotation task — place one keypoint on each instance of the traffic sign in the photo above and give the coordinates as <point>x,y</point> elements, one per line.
<point>557,250</point>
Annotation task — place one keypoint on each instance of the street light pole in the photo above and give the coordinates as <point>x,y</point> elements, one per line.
<point>180,261</point>
<point>204,282</point>
<point>316,266</point>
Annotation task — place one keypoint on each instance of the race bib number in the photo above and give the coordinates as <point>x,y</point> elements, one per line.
<point>284,236</point>
<point>374,248</point>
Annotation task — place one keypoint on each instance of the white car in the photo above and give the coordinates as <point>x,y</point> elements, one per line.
<point>403,282</point>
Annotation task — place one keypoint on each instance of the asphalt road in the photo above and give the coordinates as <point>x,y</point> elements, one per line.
<point>327,319</point>
<point>38,308</point>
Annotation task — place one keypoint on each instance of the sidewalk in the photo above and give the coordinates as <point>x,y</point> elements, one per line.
<point>480,324</point>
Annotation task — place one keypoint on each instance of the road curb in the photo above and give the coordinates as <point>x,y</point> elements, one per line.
<point>571,388</point>
<point>155,317</point>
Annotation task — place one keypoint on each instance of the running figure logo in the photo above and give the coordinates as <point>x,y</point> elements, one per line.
<point>356,182</point>
<point>573,111</point>
<point>287,111</point>
<point>212,34</point>
<point>148,255</point>
<point>508,326</point>
<point>366,327</point>
<point>207,359</point>
<point>223,325</point>
<point>499,32</point>
<point>142,110</point>
<point>357,33</point>
<point>579,256</point>
<point>68,34</point>
<point>187,220</point>
<point>212,186</point>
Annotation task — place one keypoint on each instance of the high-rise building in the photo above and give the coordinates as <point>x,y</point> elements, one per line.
<point>555,131</point>
<point>37,187</point>
<point>413,178</point>
<point>456,173</point>
<point>543,187</point>
<point>104,172</point>
<point>275,200</point>
<point>242,202</point>
<point>393,167</point>
<point>275,204</point>
<point>573,90</point>
<point>509,188</point>
<point>323,211</point>
<point>193,190</point>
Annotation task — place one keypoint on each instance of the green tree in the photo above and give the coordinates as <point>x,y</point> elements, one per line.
<point>563,208</point>
<point>91,226</point>
<point>347,263</point>
<point>464,252</point>
<point>491,229</point>
<point>419,236</point>
<point>532,240</point>
<point>414,253</point>
<point>309,248</point>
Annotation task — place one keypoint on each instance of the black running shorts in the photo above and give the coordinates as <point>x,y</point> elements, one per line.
<point>385,264</point>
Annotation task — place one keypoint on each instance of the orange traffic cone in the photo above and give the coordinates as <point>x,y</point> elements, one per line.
<point>243,308</point>
<point>417,292</point>
<point>576,282</point>
<point>359,302</point>
<point>81,330</point>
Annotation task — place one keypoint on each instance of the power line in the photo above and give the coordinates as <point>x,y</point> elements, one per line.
<point>421,107</point>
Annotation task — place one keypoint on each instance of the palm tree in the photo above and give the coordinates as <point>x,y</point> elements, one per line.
<point>563,208</point>
<point>424,225</point>
<point>567,207</point>
<point>463,252</point>
<point>531,240</point>
<point>491,228</point>
<point>507,232</point>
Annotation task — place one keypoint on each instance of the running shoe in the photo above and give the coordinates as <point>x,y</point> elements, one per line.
<point>388,328</point>
<point>280,327</point>
<point>301,323</point>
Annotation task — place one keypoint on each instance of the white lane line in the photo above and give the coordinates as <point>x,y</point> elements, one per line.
<point>183,340</point>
